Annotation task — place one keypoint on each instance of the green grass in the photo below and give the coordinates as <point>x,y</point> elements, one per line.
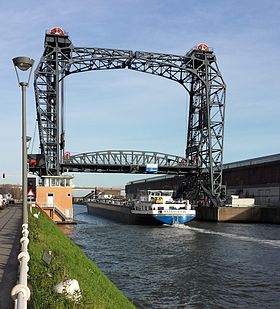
<point>68,261</point>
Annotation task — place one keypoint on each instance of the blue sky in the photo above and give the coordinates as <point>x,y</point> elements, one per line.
<point>112,109</point>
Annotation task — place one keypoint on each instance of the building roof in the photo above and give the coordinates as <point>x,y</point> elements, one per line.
<point>254,161</point>
<point>242,163</point>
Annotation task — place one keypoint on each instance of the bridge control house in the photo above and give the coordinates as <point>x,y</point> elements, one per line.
<point>54,196</point>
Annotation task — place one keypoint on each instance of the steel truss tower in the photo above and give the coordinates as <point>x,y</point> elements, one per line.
<point>197,72</point>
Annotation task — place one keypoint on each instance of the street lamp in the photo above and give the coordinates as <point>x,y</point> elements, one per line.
<point>24,64</point>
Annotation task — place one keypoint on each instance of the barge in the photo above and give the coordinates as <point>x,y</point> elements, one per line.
<point>151,207</point>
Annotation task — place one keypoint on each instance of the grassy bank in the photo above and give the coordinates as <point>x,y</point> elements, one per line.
<point>68,261</point>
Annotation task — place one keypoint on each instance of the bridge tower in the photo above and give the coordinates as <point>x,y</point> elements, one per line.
<point>206,125</point>
<point>48,96</point>
<point>197,72</point>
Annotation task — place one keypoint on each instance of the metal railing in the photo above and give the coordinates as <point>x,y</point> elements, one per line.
<point>53,207</point>
<point>21,292</point>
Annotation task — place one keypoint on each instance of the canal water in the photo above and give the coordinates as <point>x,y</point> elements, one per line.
<point>202,265</point>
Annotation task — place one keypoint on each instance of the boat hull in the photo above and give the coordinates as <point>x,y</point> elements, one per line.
<point>170,220</point>
<point>123,214</point>
<point>120,214</point>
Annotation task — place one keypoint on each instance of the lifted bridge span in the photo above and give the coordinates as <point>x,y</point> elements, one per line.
<point>126,161</point>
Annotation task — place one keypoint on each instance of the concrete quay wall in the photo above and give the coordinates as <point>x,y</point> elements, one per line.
<point>239,214</point>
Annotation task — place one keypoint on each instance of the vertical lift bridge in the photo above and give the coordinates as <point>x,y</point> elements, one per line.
<point>197,71</point>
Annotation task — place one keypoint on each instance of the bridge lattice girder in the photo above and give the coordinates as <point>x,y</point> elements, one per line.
<point>197,72</point>
<point>126,161</point>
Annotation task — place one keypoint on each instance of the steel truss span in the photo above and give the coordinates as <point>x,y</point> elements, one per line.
<point>126,161</point>
<point>197,72</point>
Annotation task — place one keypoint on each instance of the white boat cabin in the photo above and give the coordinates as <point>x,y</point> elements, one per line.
<point>159,200</point>
<point>156,196</point>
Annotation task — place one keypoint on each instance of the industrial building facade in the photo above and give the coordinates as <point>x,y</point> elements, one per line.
<point>258,178</point>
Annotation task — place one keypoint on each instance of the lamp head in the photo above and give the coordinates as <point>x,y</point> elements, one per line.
<point>23,63</point>
<point>28,139</point>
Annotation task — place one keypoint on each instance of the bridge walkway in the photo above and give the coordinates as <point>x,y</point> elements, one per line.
<point>10,233</point>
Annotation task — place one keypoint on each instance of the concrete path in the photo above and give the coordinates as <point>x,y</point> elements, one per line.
<point>10,234</point>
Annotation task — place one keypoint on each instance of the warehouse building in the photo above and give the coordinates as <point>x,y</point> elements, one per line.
<point>258,178</point>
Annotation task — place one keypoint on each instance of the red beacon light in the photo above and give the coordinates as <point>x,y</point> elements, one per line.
<point>202,47</point>
<point>57,31</point>
<point>66,155</point>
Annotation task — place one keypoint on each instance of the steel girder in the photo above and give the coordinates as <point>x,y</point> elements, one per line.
<point>126,161</point>
<point>197,72</point>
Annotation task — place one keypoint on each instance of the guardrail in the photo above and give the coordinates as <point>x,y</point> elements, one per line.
<point>21,292</point>
<point>53,207</point>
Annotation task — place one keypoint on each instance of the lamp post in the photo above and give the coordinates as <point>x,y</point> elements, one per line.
<point>24,64</point>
